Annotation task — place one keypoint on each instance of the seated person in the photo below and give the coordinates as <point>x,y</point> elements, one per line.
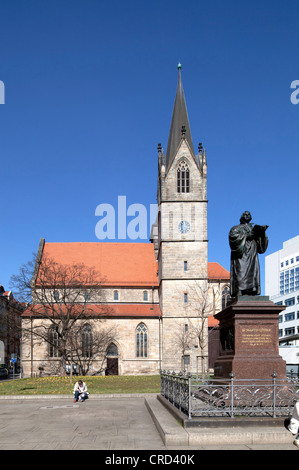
<point>80,391</point>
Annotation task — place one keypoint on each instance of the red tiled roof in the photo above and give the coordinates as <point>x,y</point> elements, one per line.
<point>118,264</point>
<point>104,310</point>
<point>212,322</point>
<point>216,271</point>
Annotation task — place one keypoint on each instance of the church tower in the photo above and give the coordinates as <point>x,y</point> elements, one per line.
<point>181,242</point>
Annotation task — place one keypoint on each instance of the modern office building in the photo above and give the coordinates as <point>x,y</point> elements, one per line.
<point>282,286</point>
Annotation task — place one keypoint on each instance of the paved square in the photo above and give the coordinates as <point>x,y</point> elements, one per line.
<point>117,423</point>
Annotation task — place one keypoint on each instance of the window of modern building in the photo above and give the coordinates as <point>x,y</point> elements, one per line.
<point>290,301</point>
<point>289,316</point>
<point>185,265</point>
<point>289,331</point>
<point>185,298</point>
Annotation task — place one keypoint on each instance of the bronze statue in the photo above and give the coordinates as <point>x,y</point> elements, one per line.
<point>246,241</point>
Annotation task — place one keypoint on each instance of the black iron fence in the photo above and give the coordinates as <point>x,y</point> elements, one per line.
<point>201,397</point>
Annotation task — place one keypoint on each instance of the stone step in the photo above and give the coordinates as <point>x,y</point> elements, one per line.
<point>174,434</point>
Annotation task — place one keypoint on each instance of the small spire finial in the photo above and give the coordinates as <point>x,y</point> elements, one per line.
<point>179,66</point>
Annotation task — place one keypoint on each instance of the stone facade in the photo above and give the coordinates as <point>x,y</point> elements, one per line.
<point>35,353</point>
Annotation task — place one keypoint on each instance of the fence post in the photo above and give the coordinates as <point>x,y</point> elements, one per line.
<point>173,387</point>
<point>190,395</point>
<point>274,375</point>
<point>180,391</point>
<point>232,375</point>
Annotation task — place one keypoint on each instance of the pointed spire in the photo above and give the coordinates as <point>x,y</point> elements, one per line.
<point>179,121</point>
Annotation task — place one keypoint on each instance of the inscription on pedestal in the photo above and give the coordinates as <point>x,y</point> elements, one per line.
<point>249,341</point>
<point>251,337</point>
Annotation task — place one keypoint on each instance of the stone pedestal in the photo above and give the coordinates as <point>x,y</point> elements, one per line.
<point>249,340</point>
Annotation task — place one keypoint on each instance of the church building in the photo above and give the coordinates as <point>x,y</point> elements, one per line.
<point>159,298</point>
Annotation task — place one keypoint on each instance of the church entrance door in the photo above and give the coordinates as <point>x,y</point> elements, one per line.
<point>112,365</point>
<point>112,359</point>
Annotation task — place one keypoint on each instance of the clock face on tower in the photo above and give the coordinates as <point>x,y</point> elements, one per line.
<point>184,226</point>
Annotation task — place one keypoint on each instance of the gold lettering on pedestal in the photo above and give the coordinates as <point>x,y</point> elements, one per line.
<point>255,338</point>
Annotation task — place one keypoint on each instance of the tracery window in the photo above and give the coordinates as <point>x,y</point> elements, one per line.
<point>183,178</point>
<point>225,297</point>
<point>141,340</point>
<point>87,341</point>
<point>53,339</point>
<point>112,350</point>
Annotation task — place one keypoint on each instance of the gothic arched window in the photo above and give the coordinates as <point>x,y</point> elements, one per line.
<point>183,178</point>
<point>53,339</point>
<point>87,341</point>
<point>225,297</point>
<point>112,350</point>
<point>141,340</point>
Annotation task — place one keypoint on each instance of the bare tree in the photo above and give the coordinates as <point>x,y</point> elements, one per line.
<point>89,345</point>
<point>184,340</point>
<point>203,301</point>
<point>61,298</point>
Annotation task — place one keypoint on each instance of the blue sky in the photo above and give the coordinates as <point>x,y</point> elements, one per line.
<point>89,92</point>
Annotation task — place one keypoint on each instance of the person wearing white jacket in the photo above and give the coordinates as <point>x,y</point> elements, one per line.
<point>80,391</point>
<point>294,423</point>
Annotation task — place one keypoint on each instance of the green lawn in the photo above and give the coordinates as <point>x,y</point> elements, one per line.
<point>62,385</point>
